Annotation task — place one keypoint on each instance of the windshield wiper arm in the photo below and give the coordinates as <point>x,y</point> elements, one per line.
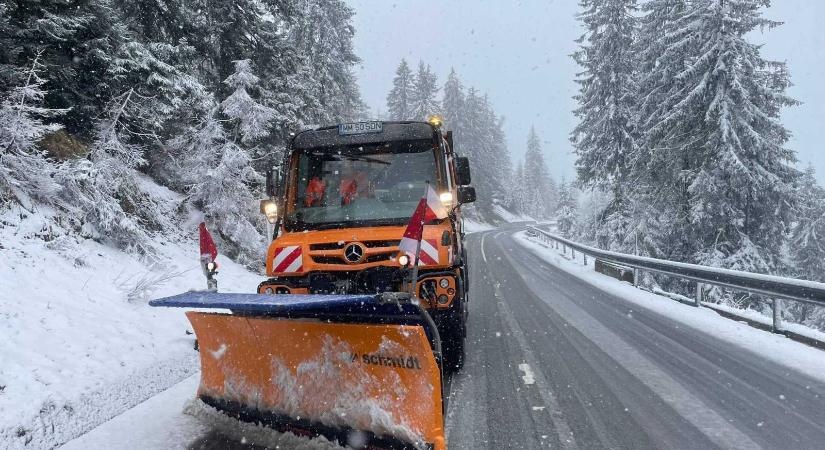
<point>367,159</point>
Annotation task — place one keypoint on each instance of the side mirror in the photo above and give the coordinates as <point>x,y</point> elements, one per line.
<point>462,171</point>
<point>466,194</point>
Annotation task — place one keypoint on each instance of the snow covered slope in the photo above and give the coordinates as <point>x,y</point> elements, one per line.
<point>511,217</point>
<point>79,343</point>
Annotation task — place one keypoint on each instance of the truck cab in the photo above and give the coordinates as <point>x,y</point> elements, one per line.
<point>340,202</point>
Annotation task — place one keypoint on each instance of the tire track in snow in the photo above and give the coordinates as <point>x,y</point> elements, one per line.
<point>562,428</point>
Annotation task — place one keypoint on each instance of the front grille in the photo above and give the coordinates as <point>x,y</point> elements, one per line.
<point>327,260</point>
<point>378,244</point>
<point>327,246</point>
<point>342,244</point>
<point>377,258</point>
<point>337,260</point>
<point>386,247</point>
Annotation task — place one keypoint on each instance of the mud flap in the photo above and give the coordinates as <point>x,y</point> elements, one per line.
<point>355,371</point>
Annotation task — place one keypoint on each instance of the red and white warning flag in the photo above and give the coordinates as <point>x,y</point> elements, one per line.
<point>414,231</point>
<point>429,208</point>
<point>209,252</point>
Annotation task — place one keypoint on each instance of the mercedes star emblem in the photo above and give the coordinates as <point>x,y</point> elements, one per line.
<point>354,253</point>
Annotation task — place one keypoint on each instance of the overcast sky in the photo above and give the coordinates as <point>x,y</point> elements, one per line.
<point>518,52</point>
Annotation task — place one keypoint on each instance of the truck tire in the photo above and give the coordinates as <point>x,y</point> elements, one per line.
<point>452,346</point>
<point>455,333</point>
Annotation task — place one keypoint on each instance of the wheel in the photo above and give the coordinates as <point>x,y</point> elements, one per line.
<point>452,348</point>
<point>453,331</point>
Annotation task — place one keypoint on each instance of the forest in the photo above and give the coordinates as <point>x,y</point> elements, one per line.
<point>680,133</point>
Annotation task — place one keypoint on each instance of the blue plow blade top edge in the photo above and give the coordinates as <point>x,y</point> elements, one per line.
<point>287,304</point>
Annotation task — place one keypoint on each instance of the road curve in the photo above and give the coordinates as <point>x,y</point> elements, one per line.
<point>555,362</point>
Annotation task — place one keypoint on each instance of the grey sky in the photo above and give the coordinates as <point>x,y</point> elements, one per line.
<point>518,52</point>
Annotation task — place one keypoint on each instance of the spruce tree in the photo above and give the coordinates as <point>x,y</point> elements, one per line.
<point>567,213</point>
<point>424,95</point>
<point>807,240</point>
<point>105,193</point>
<point>497,159</point>
<point>74,41</point>
<point>220,176</point>
<point>518,193</point>
<point>400,98</point>
<point>452,104</point>
<point>323,35</point>
<point>604,139</point>
<point>726,114</point>
<point>25,172</point>
<point>539,195</point>
<point>251,118</point>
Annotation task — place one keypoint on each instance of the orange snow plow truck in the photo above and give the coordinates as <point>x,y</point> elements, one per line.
<point>348,338</point>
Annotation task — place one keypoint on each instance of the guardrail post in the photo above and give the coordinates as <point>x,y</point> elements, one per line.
<point>573,253</point>
<point>585,258</point>
<point>777,315</point>
<point>700,293</point>
<point>636,274</point>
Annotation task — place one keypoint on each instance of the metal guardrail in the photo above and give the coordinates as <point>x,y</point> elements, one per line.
<point>777,288</point>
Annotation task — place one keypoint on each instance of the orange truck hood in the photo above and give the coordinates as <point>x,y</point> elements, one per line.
<point>323,250</point>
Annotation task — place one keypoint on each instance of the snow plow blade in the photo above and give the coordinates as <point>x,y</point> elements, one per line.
<point>355,369</point>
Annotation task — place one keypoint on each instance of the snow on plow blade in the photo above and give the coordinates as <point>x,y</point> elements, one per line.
<point>350,368</point>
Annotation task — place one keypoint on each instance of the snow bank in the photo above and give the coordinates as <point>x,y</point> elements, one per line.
<point>80,345</point>
<point>774,347</point>
<point>174,420</point>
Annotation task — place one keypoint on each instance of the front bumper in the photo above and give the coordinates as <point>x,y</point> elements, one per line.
<point>438,288</point>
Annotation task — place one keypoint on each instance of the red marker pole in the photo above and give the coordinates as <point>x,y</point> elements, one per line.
<point>414,287</point>
<point>209,252</point>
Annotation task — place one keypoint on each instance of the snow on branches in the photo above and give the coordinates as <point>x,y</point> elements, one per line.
<point>253,119</point>
<point>25,173</point>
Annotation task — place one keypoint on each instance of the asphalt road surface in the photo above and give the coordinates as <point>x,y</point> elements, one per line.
<point>555,362</point>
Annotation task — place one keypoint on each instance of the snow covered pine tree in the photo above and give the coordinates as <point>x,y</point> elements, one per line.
<point>425,91</point>
<point>604,138</point>
<point>400,98</point>
<point>25,172</point>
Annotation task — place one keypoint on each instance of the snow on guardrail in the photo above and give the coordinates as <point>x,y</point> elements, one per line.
<point>777,288</point>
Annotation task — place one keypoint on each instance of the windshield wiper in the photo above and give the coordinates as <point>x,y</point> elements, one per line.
<point>367,159</point>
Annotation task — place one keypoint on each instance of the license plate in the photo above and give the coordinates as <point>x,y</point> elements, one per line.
<point>360,128</point>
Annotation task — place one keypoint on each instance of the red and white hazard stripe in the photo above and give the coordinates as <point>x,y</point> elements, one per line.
<point>288,259</point>
<point>429,253</point>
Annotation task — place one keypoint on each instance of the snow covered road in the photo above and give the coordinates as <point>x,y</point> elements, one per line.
<point>554,361</point>
<point>607,372</point>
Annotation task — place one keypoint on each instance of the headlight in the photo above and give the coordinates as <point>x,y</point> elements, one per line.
<point>269,290</point>
<point>446,198</point>
<point>403,260</point>
<point>442,299</point>
<point>445,283</point>
<point>212,266</point>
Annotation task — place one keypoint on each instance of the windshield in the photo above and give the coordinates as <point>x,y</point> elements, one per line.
<point>361,185</point>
